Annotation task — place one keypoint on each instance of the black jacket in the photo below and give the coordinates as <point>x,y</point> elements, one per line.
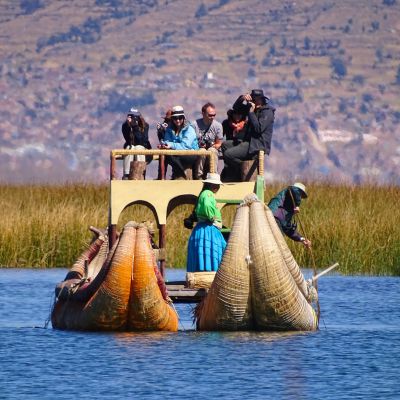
<point>134,137</point>
<point>259,127</point>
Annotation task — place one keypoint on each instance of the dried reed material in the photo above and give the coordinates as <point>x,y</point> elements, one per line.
<point>227,304</point>
<point>200,280</point>
<point>287,255</point>
<point>147,309</point>
<point>94,256</point>
<point>277,301</point>
<point>107,309</point>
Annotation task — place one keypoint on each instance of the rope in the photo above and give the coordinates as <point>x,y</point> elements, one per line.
<point>176,312</point>
<point>48,319</point>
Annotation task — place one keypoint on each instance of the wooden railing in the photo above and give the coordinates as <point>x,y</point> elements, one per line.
<point>161,153</point>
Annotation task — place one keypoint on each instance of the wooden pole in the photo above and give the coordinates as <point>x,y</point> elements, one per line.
<point>112,167</point>
<point>112,235</point>
<point>162,167</point>
<point>162,232</point>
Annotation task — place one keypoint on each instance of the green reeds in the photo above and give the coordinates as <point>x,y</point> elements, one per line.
<point>357,226</point>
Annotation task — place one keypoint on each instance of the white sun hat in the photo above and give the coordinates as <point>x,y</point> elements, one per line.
<point>300,186</point>
<point>213,178</point>
<point>177,111</point>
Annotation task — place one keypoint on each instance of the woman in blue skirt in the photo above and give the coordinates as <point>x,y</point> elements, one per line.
<point>206,243</point>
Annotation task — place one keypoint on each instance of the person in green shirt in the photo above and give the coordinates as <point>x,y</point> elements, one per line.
<point>206,243</point>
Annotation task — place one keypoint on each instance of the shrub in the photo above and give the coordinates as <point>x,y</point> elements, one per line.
<point>339,68</point>
<point>201,11</point>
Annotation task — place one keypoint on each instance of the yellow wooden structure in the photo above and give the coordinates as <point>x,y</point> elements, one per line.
<point>162,196</point>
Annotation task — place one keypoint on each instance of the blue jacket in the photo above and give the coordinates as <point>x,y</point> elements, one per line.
<point>186,140</point>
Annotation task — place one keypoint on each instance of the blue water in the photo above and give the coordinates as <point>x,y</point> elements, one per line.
<point>355,355</point>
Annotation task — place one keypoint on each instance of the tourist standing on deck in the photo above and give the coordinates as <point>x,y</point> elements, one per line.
<point>136,134</point>
<point>258,134</point>
<point>209,135</point>
<point>284,206</point>
<point>180,135</point>
<point>206,243</point>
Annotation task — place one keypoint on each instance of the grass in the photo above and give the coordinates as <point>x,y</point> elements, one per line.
<point>357,226</point>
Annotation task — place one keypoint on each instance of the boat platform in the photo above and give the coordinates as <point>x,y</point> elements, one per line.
<point>180,293</point>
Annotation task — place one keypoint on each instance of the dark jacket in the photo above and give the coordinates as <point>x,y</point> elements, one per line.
<point>259,126</point>
<point>283,209</point>
<point>134,137</point>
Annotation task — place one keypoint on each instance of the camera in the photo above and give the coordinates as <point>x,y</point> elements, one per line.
<point>207,143</point>
<point>161,128</point>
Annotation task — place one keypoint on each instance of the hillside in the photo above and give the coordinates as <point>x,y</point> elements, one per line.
<point>70,70</point>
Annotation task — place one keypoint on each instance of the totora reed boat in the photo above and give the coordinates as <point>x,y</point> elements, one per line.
<point>115,290</point>
<point>258,284</point>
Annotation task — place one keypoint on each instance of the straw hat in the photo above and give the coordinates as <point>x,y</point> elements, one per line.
<point>177,111</point>
<point>301,187</point>
<point>213,178</point>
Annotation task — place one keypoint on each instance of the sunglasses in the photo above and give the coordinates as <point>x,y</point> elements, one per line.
<point>178,117</point>
<point>211,115</point>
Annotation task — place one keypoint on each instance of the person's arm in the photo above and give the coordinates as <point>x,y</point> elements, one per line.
<point>219,135</point>
<point>126,132</point>
<point>187,140</point>
<point>260,125</point>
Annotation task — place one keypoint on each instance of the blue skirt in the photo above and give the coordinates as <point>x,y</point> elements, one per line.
<point>205,249</point>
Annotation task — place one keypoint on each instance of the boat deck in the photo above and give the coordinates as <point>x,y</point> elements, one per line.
<point>179,293</point>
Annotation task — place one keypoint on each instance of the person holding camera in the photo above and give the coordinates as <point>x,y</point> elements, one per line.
<point>162,126</point>
<point>258,133</point>
<point>285,205</point>
<point>136,134</point>
<point>210,136</point>
<point>179,135</point>
<point>206,243</point>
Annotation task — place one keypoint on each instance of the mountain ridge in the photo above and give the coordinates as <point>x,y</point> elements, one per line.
<point>70,71</point>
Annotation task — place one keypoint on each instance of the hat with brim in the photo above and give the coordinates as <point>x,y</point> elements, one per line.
<point>215,179</point>
<point>300,186</point>
<point>177,111</point>
<point>258,93</point>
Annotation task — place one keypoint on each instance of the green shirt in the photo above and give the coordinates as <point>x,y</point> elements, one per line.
<point>206,208</point>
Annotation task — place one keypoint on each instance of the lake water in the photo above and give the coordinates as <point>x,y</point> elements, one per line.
<point>355,354</point>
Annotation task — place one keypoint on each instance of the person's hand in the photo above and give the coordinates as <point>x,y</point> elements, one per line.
<point>307,243</point>
<point>247,97</point>
<point>296,210</point>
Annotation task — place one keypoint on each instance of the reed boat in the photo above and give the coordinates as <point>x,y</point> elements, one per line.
<point>106,287</point>
<point>258,285</point>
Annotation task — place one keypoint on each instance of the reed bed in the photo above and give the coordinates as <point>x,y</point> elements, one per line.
<point>357,226</point>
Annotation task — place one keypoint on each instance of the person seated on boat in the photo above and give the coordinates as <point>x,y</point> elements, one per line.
<point>162,126</point>
<point>234,130</point>
<point>206,243</point>
<point>258,133</point>
<point>136,134</point>
<point>234,126</point>
<point>210,137</point>
<point>284,206</point>
<point>180,135</point>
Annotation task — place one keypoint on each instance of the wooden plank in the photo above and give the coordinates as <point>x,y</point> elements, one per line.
<point>180,294</point>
